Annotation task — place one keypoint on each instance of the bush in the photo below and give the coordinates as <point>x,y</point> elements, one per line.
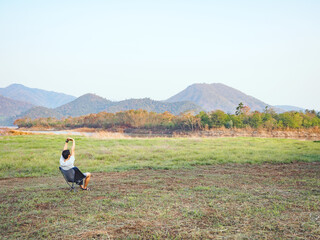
<point>187,121</point>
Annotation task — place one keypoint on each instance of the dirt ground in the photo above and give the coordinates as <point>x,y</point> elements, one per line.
<point>230,201</point>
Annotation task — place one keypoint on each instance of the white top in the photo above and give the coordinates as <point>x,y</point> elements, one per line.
<point>66,165</point>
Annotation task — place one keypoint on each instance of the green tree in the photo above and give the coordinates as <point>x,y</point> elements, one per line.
<point>237,121</point>
<point>290,119</point>
<point>205,119</point>
<point>239,108</point>
<point>218,118</point>
<point>255,120</point>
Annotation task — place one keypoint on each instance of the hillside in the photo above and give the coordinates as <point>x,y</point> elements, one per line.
<point>10,108</point>
<point>287,108</point>
<point>153,106</point>
<point>41,112</point>
<point>90,103</point>
<point>217,96</point>
<point>196,97</point>
<point>37,97</point>
<point>86,104</point>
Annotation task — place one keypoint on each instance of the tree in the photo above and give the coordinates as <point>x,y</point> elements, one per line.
<point>255,120</point>
<point>290,119</point>
<point>218,118</point>
<point>239,108</point>
<point>190,121</point>
<point>237,121</point>
<point>205,119</point>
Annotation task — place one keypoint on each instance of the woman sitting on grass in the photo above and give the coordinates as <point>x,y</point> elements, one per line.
<point>67,161</point>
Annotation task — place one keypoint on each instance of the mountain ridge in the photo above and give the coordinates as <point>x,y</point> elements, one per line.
<point>92,103</point>
<point>289,108</point>
<point>196,97</point>
<point>35,96</point>
<point>153,106</point>
<point>217,96</point>
<point>83,105</point>
<point>9,109</point>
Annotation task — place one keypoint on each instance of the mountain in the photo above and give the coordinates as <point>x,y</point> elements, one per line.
<point>288,108</point>
<point>153,106</point>
<point>10,108</point>
<point>37,97</point>
<point>91,103</point>
<point>41,112</point>
<point>217,96</point>
<point>86,104</point>
<point>196,98</point>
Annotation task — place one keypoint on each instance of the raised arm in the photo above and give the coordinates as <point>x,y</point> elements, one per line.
<point>73,146</point>
<point>65,145</point>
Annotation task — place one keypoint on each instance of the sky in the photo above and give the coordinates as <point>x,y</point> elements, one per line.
<point>134,49</point>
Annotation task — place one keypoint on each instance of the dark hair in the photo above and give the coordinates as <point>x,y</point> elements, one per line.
<point>65,154</point>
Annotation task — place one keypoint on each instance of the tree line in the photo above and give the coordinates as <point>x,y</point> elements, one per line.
<point>142,119</point>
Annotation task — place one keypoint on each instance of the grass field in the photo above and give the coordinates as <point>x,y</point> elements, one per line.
<point>38,155</point>
<point>232,188</point>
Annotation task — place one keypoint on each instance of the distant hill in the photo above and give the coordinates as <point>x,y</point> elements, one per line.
<point>288,108</point>
<point>196,98</point>
<point>41,112</point>
<point>86,104</point>
<point>90,103</point>
<point>217,96</point>
<point>10,108</point>
<point>153,106</point>
<point>36,96</point>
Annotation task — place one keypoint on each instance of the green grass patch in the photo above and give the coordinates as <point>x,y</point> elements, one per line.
<point>38,155</point>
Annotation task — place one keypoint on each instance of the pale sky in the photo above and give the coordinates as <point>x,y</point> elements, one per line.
<point>134,49</point>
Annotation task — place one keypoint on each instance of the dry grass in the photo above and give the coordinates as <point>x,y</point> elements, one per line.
<point>109,135</point>
<point>198,188</point>
<point>11,132</point>
<point>231,201</point>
